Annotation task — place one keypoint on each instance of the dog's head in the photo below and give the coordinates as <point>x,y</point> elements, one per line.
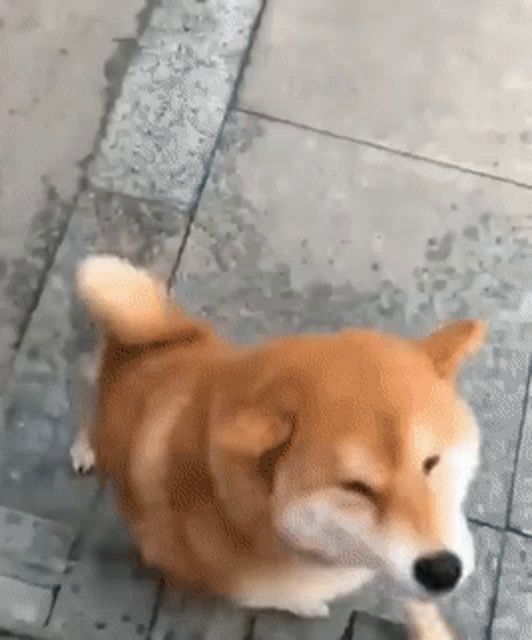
<point>363,447</point>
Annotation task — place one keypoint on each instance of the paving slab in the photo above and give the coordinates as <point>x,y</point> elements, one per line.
<point>513,614</point>
<point>174,97</point>
<point>446,80</point>
<point>104,594</point>
<point>35,473</point>
<point>329,234</point>
<point>50,114</point>
<point>185,617</point>
<point>33,549</point>
<point>370,628</point>
<point>23,603</point>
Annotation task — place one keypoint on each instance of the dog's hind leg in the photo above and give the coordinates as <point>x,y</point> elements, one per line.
<point>81,453</point>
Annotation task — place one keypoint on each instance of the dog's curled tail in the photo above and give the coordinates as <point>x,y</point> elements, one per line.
<point>130,303</point>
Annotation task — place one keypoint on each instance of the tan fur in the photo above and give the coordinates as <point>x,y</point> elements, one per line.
<point>231,463</point>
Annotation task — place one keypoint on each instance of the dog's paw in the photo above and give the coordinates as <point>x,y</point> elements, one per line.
<point>82,457</point>
<point>302,608</point>
<point>310,609</point>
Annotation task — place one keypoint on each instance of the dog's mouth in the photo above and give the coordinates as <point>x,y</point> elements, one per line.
<point>352,555</point>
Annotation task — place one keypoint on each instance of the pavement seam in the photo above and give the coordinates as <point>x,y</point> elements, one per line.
<point>51,252</point>
<point>230,107</point>
<point>520,436</point>
<point>495,598</point>
<point>350,627</point>
<point>500,528</point>
<point>250,632</point>
<point>55,592</point>
<point>386,148</point>
<point>156,609</point>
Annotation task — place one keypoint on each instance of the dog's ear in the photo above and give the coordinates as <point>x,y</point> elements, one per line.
<point>252,432</point>
<point>449,346</point>
<point>245,444</point>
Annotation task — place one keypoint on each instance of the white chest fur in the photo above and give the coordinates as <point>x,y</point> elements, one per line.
<point>304,589</point>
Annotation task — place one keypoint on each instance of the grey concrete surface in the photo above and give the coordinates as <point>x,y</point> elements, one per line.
<point>103,593</point>
<point>290,226</point>
<point>514,592</point>
<point>24,603</point>
<point>35,473</point>
<point>174,97</point>
<point>188,617</point>
<point>364,627</point>
<point>445,80</point>
<point>415,243</point>
<point>33,549</point>
<point>56,68</point>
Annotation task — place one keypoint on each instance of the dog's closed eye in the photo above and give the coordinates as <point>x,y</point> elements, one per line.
<point>430,463</point>
<point>361,488</point>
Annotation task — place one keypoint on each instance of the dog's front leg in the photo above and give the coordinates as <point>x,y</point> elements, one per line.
<point>427,623</point>
<point>81,452</point>
<point>301,607</point>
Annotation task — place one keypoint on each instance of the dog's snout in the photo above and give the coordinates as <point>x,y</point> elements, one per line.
<point>438,573</point>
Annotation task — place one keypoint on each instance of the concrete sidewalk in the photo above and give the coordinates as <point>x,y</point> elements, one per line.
<point>51,109</point>
<point>367,169</point>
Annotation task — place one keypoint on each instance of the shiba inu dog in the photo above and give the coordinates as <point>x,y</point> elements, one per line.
<point>286,474</point>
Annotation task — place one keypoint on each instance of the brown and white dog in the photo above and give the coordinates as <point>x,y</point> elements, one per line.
<point>283,475</point>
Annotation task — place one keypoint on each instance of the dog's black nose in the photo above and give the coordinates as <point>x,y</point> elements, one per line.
<point>438,573</point>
